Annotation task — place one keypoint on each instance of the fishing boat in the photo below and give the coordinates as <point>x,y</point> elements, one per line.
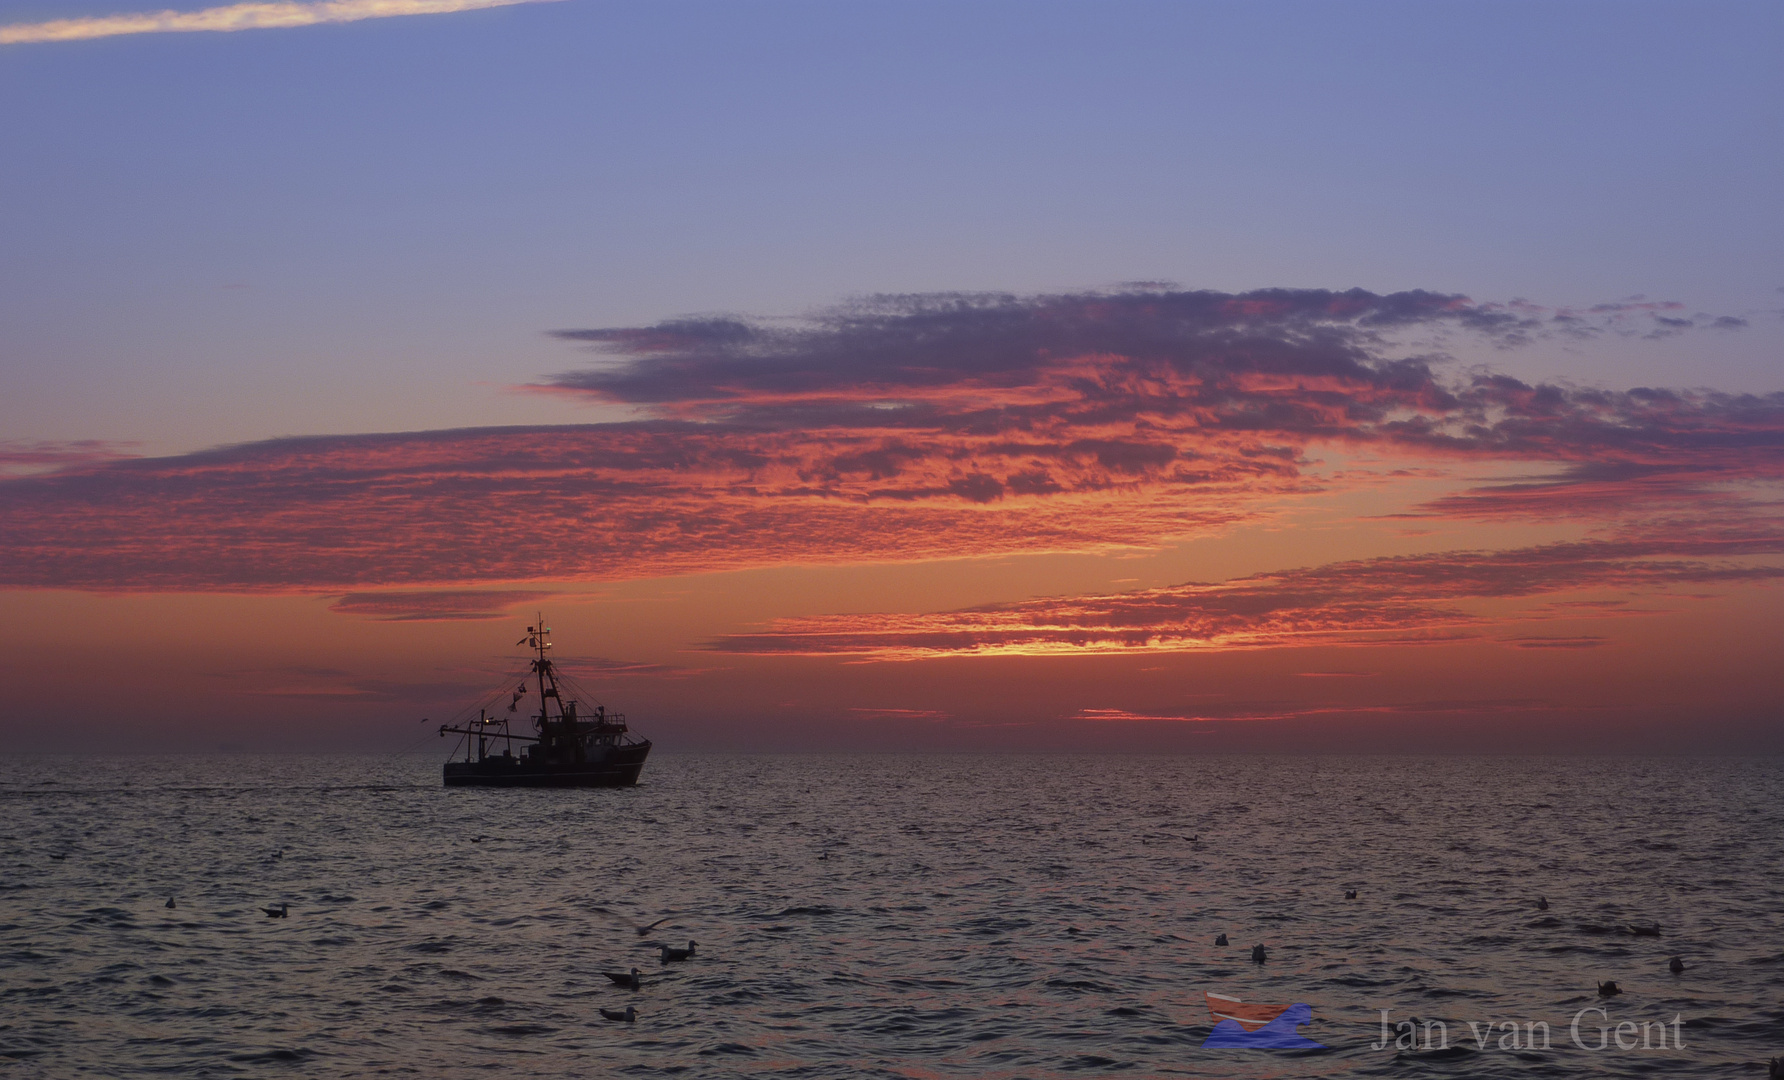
<point>1249,1015</point>
<point>574,742</point>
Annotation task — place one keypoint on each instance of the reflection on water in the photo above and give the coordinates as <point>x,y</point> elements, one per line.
<point>884,915</point>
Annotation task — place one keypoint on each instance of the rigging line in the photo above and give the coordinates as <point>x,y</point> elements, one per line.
<point>490,698</point>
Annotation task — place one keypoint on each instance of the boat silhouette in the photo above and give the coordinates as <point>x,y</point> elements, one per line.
<point>570,746</point>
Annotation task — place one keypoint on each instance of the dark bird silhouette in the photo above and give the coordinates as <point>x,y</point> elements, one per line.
<point>630,1016</point>
<point>624,978</point>
<point>277,913</point>
<point>1258,954</point>
<point>1608,989</point>
<point>170,902</point>
<point>641,929</point>
<point>279,854</point>
<point>678,954</point>
<point>1350,894</point>
<point>1221,940</point>
<point>1777,1071</point>
<point>1675,965</point>
<point>1542,903</point>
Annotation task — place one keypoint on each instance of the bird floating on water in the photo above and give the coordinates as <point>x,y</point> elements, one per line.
<point>678,954</point>
<point>1675,965</point>
<point>630,1016</point>
<point>1777,1070</point>
<point>170,902</point>
<point>277,913</point>
<point>1608,989</point>
<point>1542,903</point>
<point>624,978</point>
<point>1258,955</point>
<point>1350,894</point>
<point>1221,940</point>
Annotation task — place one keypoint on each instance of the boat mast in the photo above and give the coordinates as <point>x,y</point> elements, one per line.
<point>539,637</point>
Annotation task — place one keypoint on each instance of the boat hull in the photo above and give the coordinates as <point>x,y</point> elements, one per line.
<point>619,768</point>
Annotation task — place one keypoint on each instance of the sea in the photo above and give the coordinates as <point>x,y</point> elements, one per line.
<point>892,916</point>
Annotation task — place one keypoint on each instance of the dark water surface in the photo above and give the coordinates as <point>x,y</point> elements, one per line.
<point>884,916</point>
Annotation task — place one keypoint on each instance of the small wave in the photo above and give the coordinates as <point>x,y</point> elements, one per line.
<point>277,1056</point>
<point>1079,984</point>
<point>521,1029</point>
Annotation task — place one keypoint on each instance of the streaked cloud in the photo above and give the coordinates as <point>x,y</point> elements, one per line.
<point>249,16</point>
<point>22,457</point>
<point>1414,599</point>
<point>907,428</point>
<point>435,605</point>
<point>1253,712</point>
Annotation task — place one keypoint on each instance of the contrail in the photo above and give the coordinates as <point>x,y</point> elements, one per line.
<point>250,16</point>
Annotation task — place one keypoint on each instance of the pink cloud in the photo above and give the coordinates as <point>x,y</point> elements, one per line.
<point>1398,600</point>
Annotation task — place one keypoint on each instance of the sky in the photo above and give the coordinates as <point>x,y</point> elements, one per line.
<point>1181,377</point>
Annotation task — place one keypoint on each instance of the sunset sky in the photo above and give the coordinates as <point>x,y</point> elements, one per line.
<point>1101,376</point>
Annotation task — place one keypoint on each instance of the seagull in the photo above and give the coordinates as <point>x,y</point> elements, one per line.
<point>630,1016</point>
<point>678,954</point>
<point>1676,965</point>
<point>1542,903</point>
<point>1257,954</point>
<point>1221,940</point>
<point>1608,989</point>
<point>170,902</point>
<point>622,978</point>
<point>1350,894</point>
<point>277,913</point>
<point>641,929</point>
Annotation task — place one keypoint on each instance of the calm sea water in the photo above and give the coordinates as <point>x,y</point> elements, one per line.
<point>971,916</point>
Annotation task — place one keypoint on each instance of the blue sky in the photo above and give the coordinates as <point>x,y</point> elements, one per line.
<point>216,237</point>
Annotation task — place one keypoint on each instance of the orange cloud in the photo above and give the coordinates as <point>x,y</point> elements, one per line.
<point>435,605</point>
<point>1400,600</point>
